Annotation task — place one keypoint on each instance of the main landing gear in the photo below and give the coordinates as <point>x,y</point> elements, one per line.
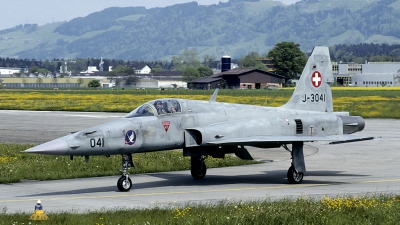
<point>198,167</point>
<point>293,176</point>
<point>296,171</point>
<point>124,182</point>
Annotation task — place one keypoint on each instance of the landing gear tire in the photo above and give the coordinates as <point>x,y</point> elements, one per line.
<point>198,167</point>
<point>293,176</point>
<point>124,184</point>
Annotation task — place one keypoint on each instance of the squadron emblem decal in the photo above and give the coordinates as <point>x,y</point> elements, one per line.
<point>166,125</point>
<point>316,79</point>
<point>130,137</point>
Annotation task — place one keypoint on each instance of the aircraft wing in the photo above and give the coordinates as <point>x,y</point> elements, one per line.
<point>334,139</point>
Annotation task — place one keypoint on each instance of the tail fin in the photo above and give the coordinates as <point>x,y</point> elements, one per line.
<point>313,91</point>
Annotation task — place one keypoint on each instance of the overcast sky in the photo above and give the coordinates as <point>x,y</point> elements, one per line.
<point>15,12</point>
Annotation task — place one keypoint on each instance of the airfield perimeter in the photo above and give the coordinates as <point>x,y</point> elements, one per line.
<point>369,167</point>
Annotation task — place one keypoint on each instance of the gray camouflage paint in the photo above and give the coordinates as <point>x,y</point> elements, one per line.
<point>214,128</point>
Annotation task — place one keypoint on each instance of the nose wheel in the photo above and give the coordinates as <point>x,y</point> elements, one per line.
<point>124,183</point>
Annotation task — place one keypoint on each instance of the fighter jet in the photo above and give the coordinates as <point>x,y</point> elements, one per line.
<point>211,128</point>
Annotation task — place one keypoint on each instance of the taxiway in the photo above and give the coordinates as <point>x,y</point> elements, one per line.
<point>359,168</point>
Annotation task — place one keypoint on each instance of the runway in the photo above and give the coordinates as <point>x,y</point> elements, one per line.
<point>369,167</point>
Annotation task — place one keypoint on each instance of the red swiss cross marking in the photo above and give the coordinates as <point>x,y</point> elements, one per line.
<point>316,79</point>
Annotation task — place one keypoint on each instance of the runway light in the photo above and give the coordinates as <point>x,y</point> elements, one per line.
<point>38,214</point>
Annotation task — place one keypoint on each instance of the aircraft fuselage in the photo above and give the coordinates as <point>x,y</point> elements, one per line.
<point>201,122</point>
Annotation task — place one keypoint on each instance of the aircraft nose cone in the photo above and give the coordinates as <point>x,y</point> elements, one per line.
<point>55,147</point>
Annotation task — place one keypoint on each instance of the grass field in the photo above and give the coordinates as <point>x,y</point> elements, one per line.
<point>16,165</point>
<point>372,102</point>
<point>380,209</point>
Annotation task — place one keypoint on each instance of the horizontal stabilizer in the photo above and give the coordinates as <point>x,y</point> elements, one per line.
<point>353,140</point>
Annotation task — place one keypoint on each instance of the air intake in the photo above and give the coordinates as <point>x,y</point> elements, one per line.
<point>299,126</point>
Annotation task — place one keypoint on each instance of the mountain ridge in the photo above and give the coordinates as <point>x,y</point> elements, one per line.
<point>237,27</point>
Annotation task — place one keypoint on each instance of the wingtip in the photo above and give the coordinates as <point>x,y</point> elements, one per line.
<point>214,96</point>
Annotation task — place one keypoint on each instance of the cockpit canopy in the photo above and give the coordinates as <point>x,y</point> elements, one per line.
<point>156,107</point>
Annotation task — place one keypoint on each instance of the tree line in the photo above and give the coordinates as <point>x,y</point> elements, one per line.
<point>287,58</point>
<point>27,28</point>
<point>359,53</point>
<point>74,65</point>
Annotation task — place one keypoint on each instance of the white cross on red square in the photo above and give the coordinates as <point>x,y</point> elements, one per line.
<point>316,79</point>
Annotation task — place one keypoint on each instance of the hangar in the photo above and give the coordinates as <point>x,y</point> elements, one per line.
<point>207,83</point>
<point>239,78</point>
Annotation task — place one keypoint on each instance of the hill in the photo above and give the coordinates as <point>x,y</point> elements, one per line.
<point>238,27</point>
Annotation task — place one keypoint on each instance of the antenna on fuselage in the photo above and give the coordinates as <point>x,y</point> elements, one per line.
<point>214,96</point>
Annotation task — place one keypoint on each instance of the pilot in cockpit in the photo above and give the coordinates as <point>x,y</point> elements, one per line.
<point>159,107</point>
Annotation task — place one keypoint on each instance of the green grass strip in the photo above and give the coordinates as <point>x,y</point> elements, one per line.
<point>16,166</point>
<point>371,102</point>
<point>379,209</point>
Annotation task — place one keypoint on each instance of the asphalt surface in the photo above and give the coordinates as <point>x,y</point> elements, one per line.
<point>368,167</point>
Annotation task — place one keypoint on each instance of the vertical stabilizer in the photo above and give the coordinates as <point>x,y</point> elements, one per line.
<point>313,90</point>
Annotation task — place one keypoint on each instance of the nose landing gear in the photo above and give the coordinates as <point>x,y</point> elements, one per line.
<point>124,182</point>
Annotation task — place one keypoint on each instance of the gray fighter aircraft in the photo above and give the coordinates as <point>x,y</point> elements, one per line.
<point>210,128</point>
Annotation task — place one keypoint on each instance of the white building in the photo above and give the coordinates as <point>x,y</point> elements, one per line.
<point>91,69</point>
<point>141,68</point>
<point>145,70</point>
<point>9,71</point>
<point>371,74</point>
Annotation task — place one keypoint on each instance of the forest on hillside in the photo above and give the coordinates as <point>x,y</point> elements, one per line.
<point>236,26</point>
<point>361,52</point>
